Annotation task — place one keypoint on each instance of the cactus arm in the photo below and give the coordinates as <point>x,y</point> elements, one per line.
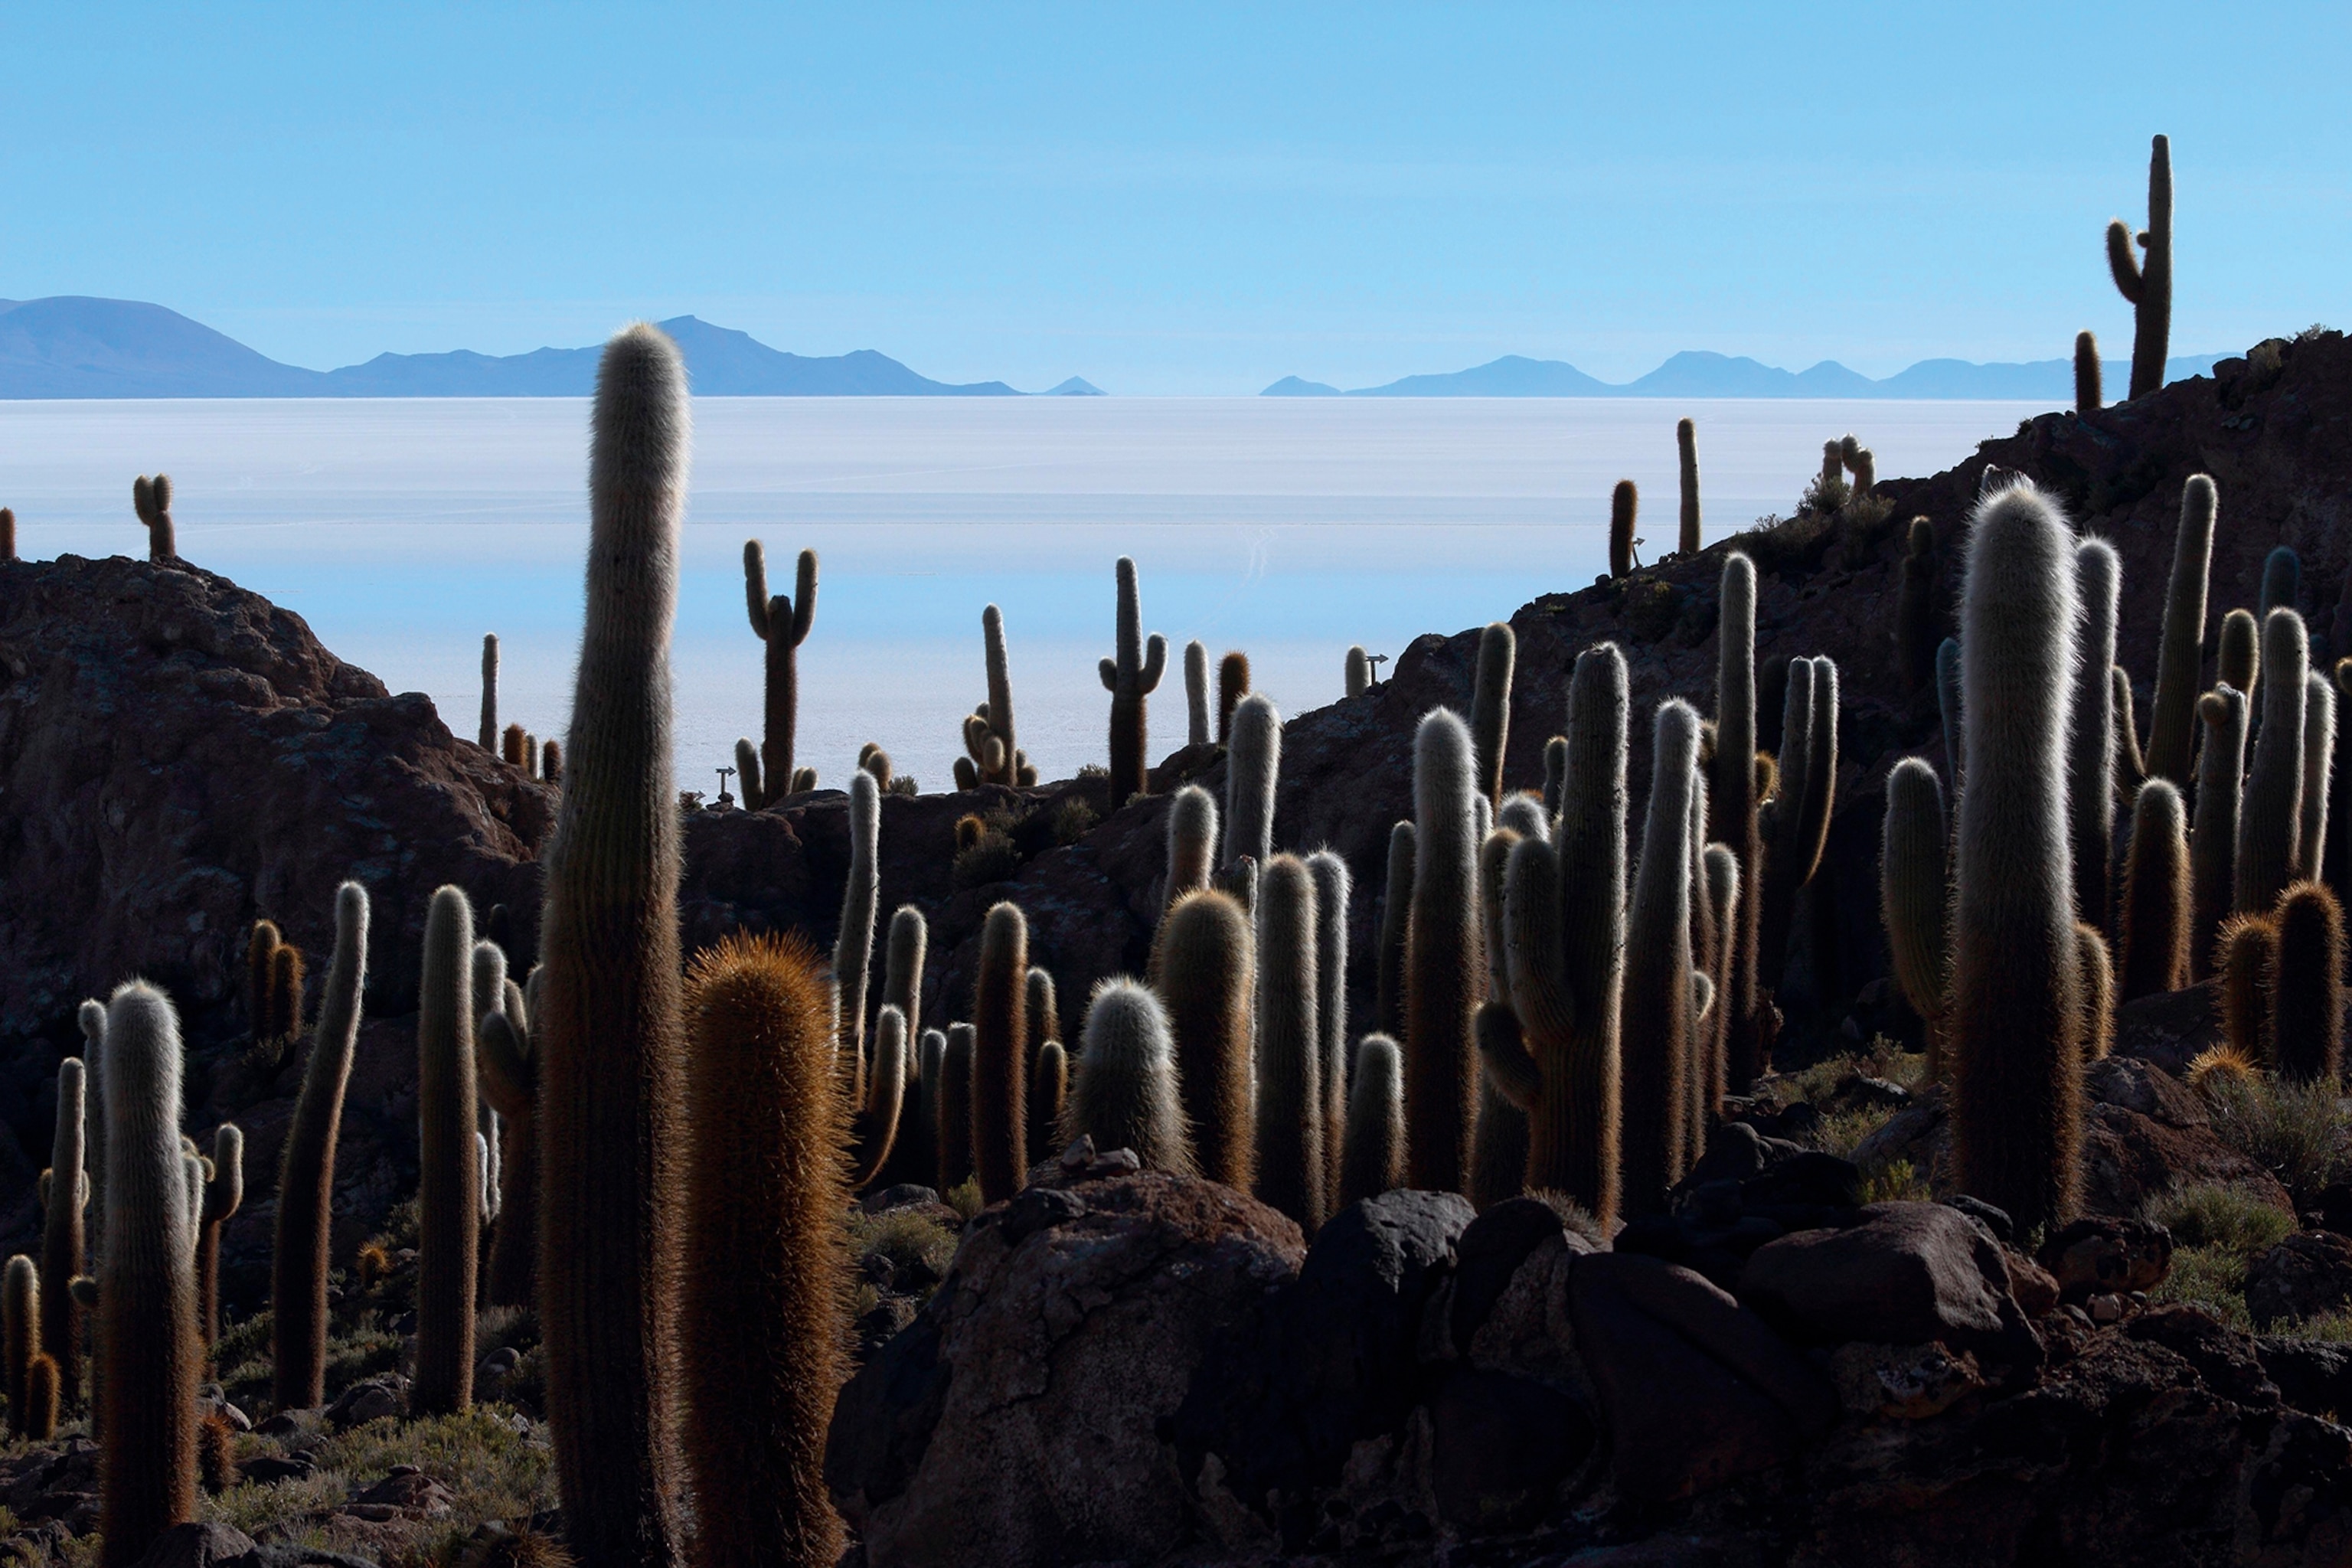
<point>755,587</point>
<point>803,597</point>
<point>1155,664</point>
<point>1109,671</point>
<point>2123,264</point>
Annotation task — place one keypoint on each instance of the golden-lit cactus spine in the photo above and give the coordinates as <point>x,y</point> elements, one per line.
<point>152,499</point>
<point>1490,708</point>
<point>2091,743</point>
<point>2239,663</point>
<point>1372,1163</point>
<point>1333,887</point>
<point>782,625</point>
<point>2153,920</point>
<point>1130,678</point>
<point>1191,841</point>
<point>224,1195</point>
<point>1444,961</point>
<point>63,1236</point>
<point>2097,990</point>
<point>2148,283</point>
<point>2213,842</point>
<point>306,1177</point>
<point>874,1124</point>
<point>1124,1094</point>
<point>448,1195</point>
<point>2305,984</point>
<point>2270,816</point>
<point>2180,653</point>
<point>1252,766</point>
<point>20,1333</point>
<point>999,1099</point>
<point>2244,954</point>
<point>1289,1046</point>
<point>1232,685</point>
<point>1204,969</point>
<point>1915,896</point>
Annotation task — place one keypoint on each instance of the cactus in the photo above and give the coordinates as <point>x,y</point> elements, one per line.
<point>2097,992</point>
<point>20,1333</point>
<point>2091,743</point>
<point>2016,1011</point>
<point>782,625</point>
<point>2270,817</point>
<point>1723,900</point>
<point>1125,1097</point>
<point>1044,1013</point>
<point>1832,467</point>
<point>1333,887</point>
<point>951,1109</point>
<point>1490,708</point>
<point>1795,822</point>
<point>1624,501</point>
<point>2213,840</point>
<point>1914,608</point>
<point>2148,285</point>
<point>62,1233</point>
<point>510,744</point>
<point>2335,860</point>
<point>1359,671</point>
<point>1196,694</point>
<point>2239,662</point>
<point>2130,764</point>
<point>2181,656</point>
<point>988,734</point>
<point>42,1390</point>
<point>152,499</point>
<point>1948,708</point>
<point>1686,449</point>
<point>146,1284</point>
<point>609,1031</point>
<point>853,949</point>
<point>1129,678</point>
<point>2153,921</point>
<point>2244,953</point>
<point>1232,685</point>
<point>286,978</point>
<point>1445,964</point>
<point>1732,797</point>
<point>915,1155</point>
<point>2304,979</point>
<point>448,1202</point>
<point>1857,459</point>
<point>1396,910</point>
<point>1205,968</point>
<point>1915,896</point>
<point>1191,841</point>
<point>2088,398</point>
<point>7,533</point>
<point>2318,770</point>
<point>1049,1089</point>
<point>224,1195</point>
<point>1555,767</point>
<point>489,735</point>
<point>550,764</point>
<point>747,770</point>
<point>1373,1161</point>
<point>2282,580</point>
<point>874,761</point>
<point>306,1175</point>
<point>1252,763</point>
<point>1289,1045</point>
<point>1498,1160</point>
<point>509,1068</point>
<point>260,945</point>
<point>1000,1107</point>
<point>1658,968</point>
<point>762,1340</point>
<point>874,1125</point>
<point>902,966</point>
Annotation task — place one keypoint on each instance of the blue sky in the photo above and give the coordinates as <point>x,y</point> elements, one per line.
<point>1181,199</point>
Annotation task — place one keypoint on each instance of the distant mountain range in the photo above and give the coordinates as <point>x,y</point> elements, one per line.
<point>74,347</point>
<point>1698,374</point>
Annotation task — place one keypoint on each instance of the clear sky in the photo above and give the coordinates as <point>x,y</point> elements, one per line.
<point>1186,198</point>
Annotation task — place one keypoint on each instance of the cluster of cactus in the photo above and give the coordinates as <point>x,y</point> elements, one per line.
<point>151,499</point>
<point>274,979</point>
<point>991,754</point>
<point>32,1372</point>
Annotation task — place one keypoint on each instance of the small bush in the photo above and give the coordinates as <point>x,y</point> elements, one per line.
<point>2212,1278</point>
<point>1073,820</point>
<point>1896,1181</point>
<point>907,1238</point>
<point>2297,1131</point>
<point>992,857</point>
<point>965,1198</point>
<point>2216,1214</point>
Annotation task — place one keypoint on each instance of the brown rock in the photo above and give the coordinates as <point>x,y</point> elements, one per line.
<point>2301,1277</point>
<point>1902,1383</point>
<point>2130,1160</point>
<point>2100,1255</point>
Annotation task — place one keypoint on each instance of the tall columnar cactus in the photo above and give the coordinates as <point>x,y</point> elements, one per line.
<point>1490,707</point>
<point>902,966</point>
<point>874,1124</point>
<point>1833,468</point>
<point>1724,896</point>
<point>1914,608</point>
<point>488,733</point>
<point>951,1107</point>
<point>448,1199</point>
<point>2097,991</point>
<point>512,741</point>
<point>1196,694</point>
<point>1624,501</point>
<point>762,1339</point>
<point>2181,656</point>
<point>2017,1012</point>
<point>1232,685</point>
<point>1498,1160</point>
<point>2239,663</point>
<point>782,625</point>
<point>1555,766</point>
<point>2244,954</point>
<point>2335,860</point>
<point>1289,1045</point>
<point>611,1051</point>
<point>1205,971</point>
<point>2088,396</point>
<point>1915,896</point>
<point>1396,922</point>
<point>1129,678</point>
<point>90,1017</point>
<point>2318,770</point>
<point>2148,284</point>
<point>1333,887</point>
<point>2153,924</point>
<point>2213,841</point>
<point>7,533</point>
<point>41,1393</point>
<point>224,1195</point>
<point>1125,1097</point>
<point>1657,987</point>
<point>747,772</point>
<point>988,734</point>
<point>1358,670</point>
<point>306,1172</point>
<point>1732,800</point>
<point>1948,706</point>
<point>2282,580</point>
<point>146,1286</point>
<point>1000,1096</point>
<point>2130,762</point>
<point>853,949</point>
<point>2306,981</point>
<point>1049,1094</point>
<point>1444,961</point>
<point>1043,1012</point>
<point>20,1333</point>
<point>506,1057</point>
<point>1373,1160</point>
<point>1253,765</point>
<point>62,1233</point>
<point>1687,448</point>
<point>1191,841</point>
<point>2091,743</point>
<point>2269,819</point>
<point>152,499</point>
<point>1565,905</point>
<point>1795,824</point>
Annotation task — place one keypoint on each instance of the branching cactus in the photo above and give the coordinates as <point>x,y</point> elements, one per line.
<point>988,734</point>
<point>1191,841</point>
<point>1196,694</point>
<point>2270,817</point>
<point>2245,953</point>
<point>853,949</point>
<point>1000,1097</point>
<point>1205,971</point>
<point>448,1200</point>
<point>63,1250</point>
<point>1232,685</point>
<point>1332,889</point>
<point>2305,984</point>
<point>1445,964</point>
<point>1732,797</point>
<point>1687,448</point>
<point>1657,986</point>
<point>1289,1046</point>
<point>306,1172</point>
<point>1490,707</point>
<point>224,1195</point>
<point>1373,1160</point>
<point>1624,502</point>
<point>2088,396</point>
<point>1043,1013</point>
<point>2091,743</point>
<point>146,1286</point>
<point>2154,921</point>
<point>2213,843</point>
<point>2181,656</point>
<point>2318,771</point>
<point>874,1125</point>
<point>2017,1010</point>
<point>782,625</point>
<point>1253,765</point>
<point>2148,284</point>
<point>152,499</point>
<point>1125,1097</point>
<point>1915,896</point>
<point>488,733</point>
<point>1131,678</point>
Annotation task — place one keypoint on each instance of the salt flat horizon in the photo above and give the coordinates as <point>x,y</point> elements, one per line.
<point>402,529</point>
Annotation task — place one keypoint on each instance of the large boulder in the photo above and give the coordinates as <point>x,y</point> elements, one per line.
<point>1019,1420</point>
<point>2301,1277</point>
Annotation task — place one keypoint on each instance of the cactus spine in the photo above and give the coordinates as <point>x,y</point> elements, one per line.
<point>1359,671</point>
<point>952,1104</point>
<point>1000,1107</point>
<point>2091,743</point>
<point>1687,448</point>
<point>2154,920</point>
<point>260,977</point>
<point>1196,694</point>
<point>1206,970</point>
<point>1657,987</point>
<point>853,949</point>
<point>1444,963</point>
<point>2148,285</point>
<point>2088,398</point>
<point>1232,685</point>
<point>1129,678</point>
<point>2017,1012</point>
<point>2181,656</point>
<point>146,1284</point>
<point>1290,1044</point>
<point>2318,765</point>
<point>306,1175</point>
<point>2336,855</point>
<point>2098,991</point>
<point>1252,763</point>
<point>224,1195</point>
<point>1731,798</point>
<point>2240,663</point>
<point>448,1198</point>
<point>2270,814</point>
<point>489,735</point>
<point>1915,896</point>
<point>874,1125</point>
<point>1191,841</point>
<point>1333,887</point>
<point>2245,953</point>
<point>62,1234</point>
<point>2130,762</point>
<point>1373,1160</point>
<point>20,1329</point>
<point>41,1389</point>
<point>1049,1091</point>
<point>508,1065</point>
<point>1396,920</point>
<point>1125,1097</point>
<point>2213,844</point>
<point>1490,708</point>
<point>762,1340</point>
<point>609,1015</point>
<point>152,499</point>
<point>782,625</point>
<point>1624,501</point>
<point>2304,979</point>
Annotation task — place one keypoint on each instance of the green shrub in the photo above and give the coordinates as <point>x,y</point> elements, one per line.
<point>2212,1278</point>
<point>2217,1214</point>
<point>1073,820</point>
<point>2297,1131</point>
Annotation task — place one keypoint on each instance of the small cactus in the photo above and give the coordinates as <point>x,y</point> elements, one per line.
<point>2319,769</point>
<point>511,742</point>
<point>2181,655</point>
<point>1205,968</point>
<point>7,533</point>
<point>306,1173</point>
<point>1686,449</point>
<point>1490,708</point>
<point>1000,1100</point>
<point>2153,922</point>
<point>260,947</point>
<point>2088,398</point>
<point>1125,1096</point>
<point>2281,581</point>
<point>2244,954</point>
<point>747,772</point>
<point>1132,677</point>
<point>550,764</point>
<point>505,1056</point>
<point>2304,979</point>
<point>1857,460</point>
<point>2148,285</point>
<point>1232,685</point>
<point>1624,502</point>
<point>1254,764</point>
<point>782,625</point>
<point>1358,670</point>
<point>42,1391</point>
<point>1049,1089</point>
<point>152,499</point>
<point>488,733</point>
<point>1373,1160</point>
<point>1196,694</point>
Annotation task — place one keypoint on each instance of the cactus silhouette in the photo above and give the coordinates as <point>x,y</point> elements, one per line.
<point>41,1394</point>
<point>2017,1010</point>
<point>1857,460</point>
<point>2304,979</point>
<point>1657,986</point>
<point>2091,743</point>
<point>1914,608</point>
<point>2239,662</point>
<point>448,1198</point>
<point>1125,1096</point>
<point>2281,581</point>
<point>999,1108</point>
<point>2246,952</point>
<point>2153,921</point>
<point>1914,895</point>
<point>1624,502</point>
<point>1131,678</point>
<point>1041,1013</point>
<point>1373,1161</point>
<point>152,499</point>
<point>2181,655</point>
<point>874,1124</point>
<point>1686,449</point>
<point>853,949</point>
<point>2130,762</point>
<point>2088,398</point>
<point>7,534</point>
<point>306,1172</point>
<point>1049,1095</point>
<point>1795,822</point>
<point>1396,922</point>
<point>1949,707</point>
<point>20,1333</point>
<point>1723,899</point>
<point>1333,887</point>
<point>2335,859</point>
<point>2097,991</point>
<point>1498,1160</point>
<point>988,734</point>
<point>2318,771</point>
<point>1732,797</point>
<point>1196,694</point>
<point>761,1341</point>
<point>505,1056</point>
<point>1444,961</point>
<point>1490,708</point>
<point>1191,841</point>
<point>1232,685</point>
<point>260,977</point>
<point>2213,840</point>
<point>1359,671</point>
<point>747,772</point>
<point>1289,1045</point>
<point>1204,969</point>
<point>63,1244</point>
<point>489,735</point>
<point>511,742</point>
<point>951,1127</point>
<point>1555,766</point>
<point>146,1284</point>
<point>1252,764</point>
<point>550,764</point>
<point>2269,814</point>
<point>224,1195</point>
<point>2148,284</point>
<point>782,625</point>
<point>608,1017</point>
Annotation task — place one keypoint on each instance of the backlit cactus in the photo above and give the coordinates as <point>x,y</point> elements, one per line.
<point>1915,896</point>
<point>1624,501</point>
<point>1396,922</point>
<point>1000,1096</point>
<point>2305,984</point>
<point>1490,708</point>
<point>1252,764</point>
<point>2088,396</point>
<point>2091,743</point>
<point>853,949</point>
<point>1859,462</point>
<point>1498,1159</point>
<point>2240,661</point>
<point>1914,608</point>
<point>1732,797</point>
<point>1049,1095</point>
<point>988,734</point>
<point>224,1195</point>
<point>2130,762</point>
<point>488,735</point>
<point>782,625</point>
<point>20,1333</point>
<point>63,1247</point>
<point>2181,655</point>
<point>2244,954</point>
<point>2213,842</point>
<point>2270,817</point>
<point>1444,961</point>
<point>1359,671</point>
<point>1191,841</point>
<point>1686,451</point>
<point>2097,990</point>
<point>448,1199</point>
<point>152,499</point>
<point>1795,822</point>
<point>1124,1094</point>
<point>1373,1160</point>
<point>2281,581</point>
<point>2318,770</point>
<point>951,1109</point>
<point>1130,678</point>
<point>2148,284</point>
<point>1290,1164</point>
<point>1333,887</point>
<point>1205,971</point>
<point>506,1057</point>
<point>1232,685</point>
<point>1656,1008</point>
<point>874,1124</point>
<point>2153,920</point>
